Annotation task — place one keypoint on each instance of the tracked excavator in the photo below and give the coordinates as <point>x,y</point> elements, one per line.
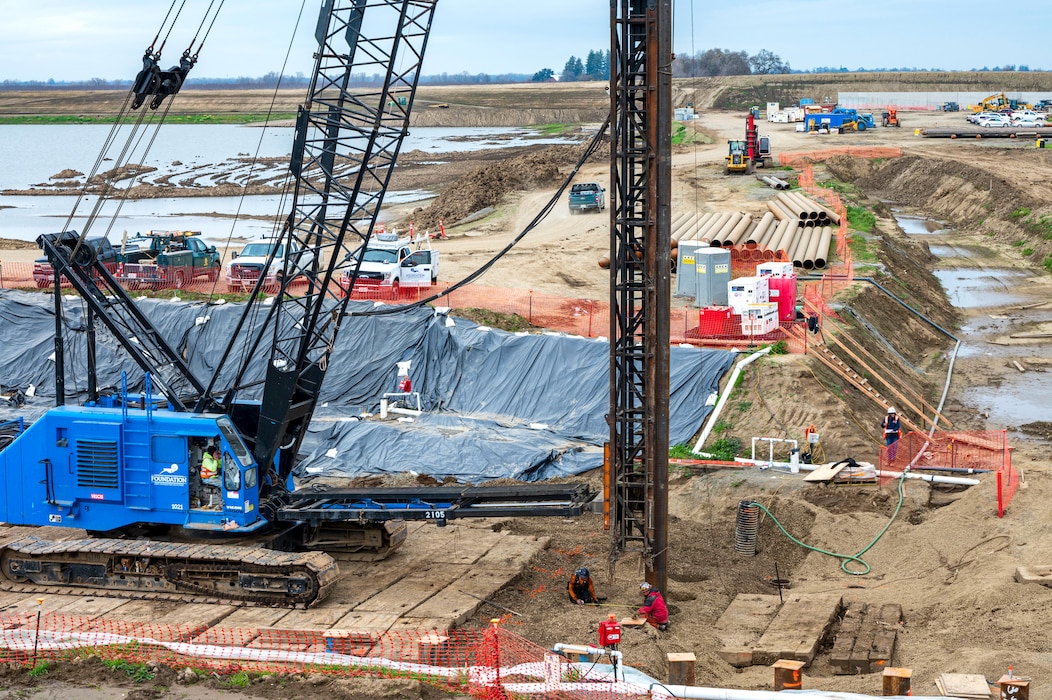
<point>126,466</point>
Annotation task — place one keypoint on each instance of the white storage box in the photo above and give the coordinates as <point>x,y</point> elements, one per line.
<point>775,269</point>
<point>747,290</point>
<point>759,319</point>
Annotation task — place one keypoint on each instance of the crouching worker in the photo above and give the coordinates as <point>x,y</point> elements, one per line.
<point>581,588</point>
<point>653,609</point>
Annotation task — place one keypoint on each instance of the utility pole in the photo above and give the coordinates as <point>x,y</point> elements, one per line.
<point>640,254</point>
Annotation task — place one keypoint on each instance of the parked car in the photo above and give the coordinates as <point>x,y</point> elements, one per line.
<point>975,117</point>
<point>1029,123</point>
<point>994,120</point>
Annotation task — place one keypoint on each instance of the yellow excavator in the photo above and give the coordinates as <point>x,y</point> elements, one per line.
<point>997,102</point>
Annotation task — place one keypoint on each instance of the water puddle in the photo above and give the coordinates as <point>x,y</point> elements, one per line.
<point>953,251</point>
<point>1018,398</point>
<point>981,288</point>
<point>919,225</point>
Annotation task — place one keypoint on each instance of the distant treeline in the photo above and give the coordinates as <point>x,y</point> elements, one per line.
<point>708,63</point>
<point>270,80</point>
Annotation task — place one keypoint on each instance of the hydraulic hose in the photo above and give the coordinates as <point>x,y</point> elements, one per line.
<point>846,559</point>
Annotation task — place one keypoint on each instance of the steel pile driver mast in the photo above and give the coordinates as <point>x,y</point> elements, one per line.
<point>640,182</point>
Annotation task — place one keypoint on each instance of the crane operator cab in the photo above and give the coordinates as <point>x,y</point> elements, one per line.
<point>218,481</point>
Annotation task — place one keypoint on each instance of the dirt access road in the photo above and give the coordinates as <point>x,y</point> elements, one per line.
<point>946,557</point>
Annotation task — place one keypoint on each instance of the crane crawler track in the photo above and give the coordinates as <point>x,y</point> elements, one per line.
<point>147,569</point>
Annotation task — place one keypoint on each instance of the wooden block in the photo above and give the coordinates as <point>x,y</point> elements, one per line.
<point>865,642</point>
<point>633,622</point>
<point>681,668</point>
<point>433,649</point>
<point>1034,574</point>
<point>1014,688</point>
<point>798,628</point>
<point>897,681</point>
<point>788,674</point>
<point>292,640</point>
<point>742,624</point>
<point>350,642</point>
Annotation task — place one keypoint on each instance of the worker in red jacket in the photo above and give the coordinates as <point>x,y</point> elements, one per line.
<point>653,609</point>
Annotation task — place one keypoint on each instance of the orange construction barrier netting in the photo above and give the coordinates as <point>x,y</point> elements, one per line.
<point>793,159</point>
<point>489,662</point>
<point>958,453</point>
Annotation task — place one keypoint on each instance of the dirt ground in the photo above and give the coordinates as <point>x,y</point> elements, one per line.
<point>945,557</point>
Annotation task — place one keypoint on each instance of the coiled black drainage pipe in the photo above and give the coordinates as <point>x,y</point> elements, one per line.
<point>745,527</point>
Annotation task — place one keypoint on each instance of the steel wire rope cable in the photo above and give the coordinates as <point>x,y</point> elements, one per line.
<point>694,81</point>
<point>164,115</point>
<point>283,198</point>
<point>119,122</point>
<point>593,146</point>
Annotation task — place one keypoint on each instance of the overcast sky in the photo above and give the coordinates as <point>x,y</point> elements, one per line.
<point>82,39</point>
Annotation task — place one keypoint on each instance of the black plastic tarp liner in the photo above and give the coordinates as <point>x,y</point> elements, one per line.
<point>526,406</point>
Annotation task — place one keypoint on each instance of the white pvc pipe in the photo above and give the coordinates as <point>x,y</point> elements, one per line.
<point>25,639</point>
<point>932,478</point>
<point>615,656</point>
<point>726,395</point>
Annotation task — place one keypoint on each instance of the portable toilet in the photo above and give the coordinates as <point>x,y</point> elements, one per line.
<point>702,272</point>
<point>747,290</point>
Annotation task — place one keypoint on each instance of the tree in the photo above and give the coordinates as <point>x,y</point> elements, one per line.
<point>597,65</point>
<point>543,75</point>
<point>573,70</point>
<point>712,62</point>
<point>766,62</point>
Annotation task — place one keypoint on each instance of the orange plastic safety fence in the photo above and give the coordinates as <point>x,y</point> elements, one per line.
<point>957,453</point>
<point>486,663</point>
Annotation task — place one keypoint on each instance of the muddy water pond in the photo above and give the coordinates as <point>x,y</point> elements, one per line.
<point>990,299</point>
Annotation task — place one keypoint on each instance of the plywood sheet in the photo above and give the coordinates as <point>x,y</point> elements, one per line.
<point>826,472</point>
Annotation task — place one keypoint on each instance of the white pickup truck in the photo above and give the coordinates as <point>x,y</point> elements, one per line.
<point>242,271</point>
<point>392,263</point>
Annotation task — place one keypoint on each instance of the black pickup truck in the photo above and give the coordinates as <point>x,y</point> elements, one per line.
<point>44,275</point>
